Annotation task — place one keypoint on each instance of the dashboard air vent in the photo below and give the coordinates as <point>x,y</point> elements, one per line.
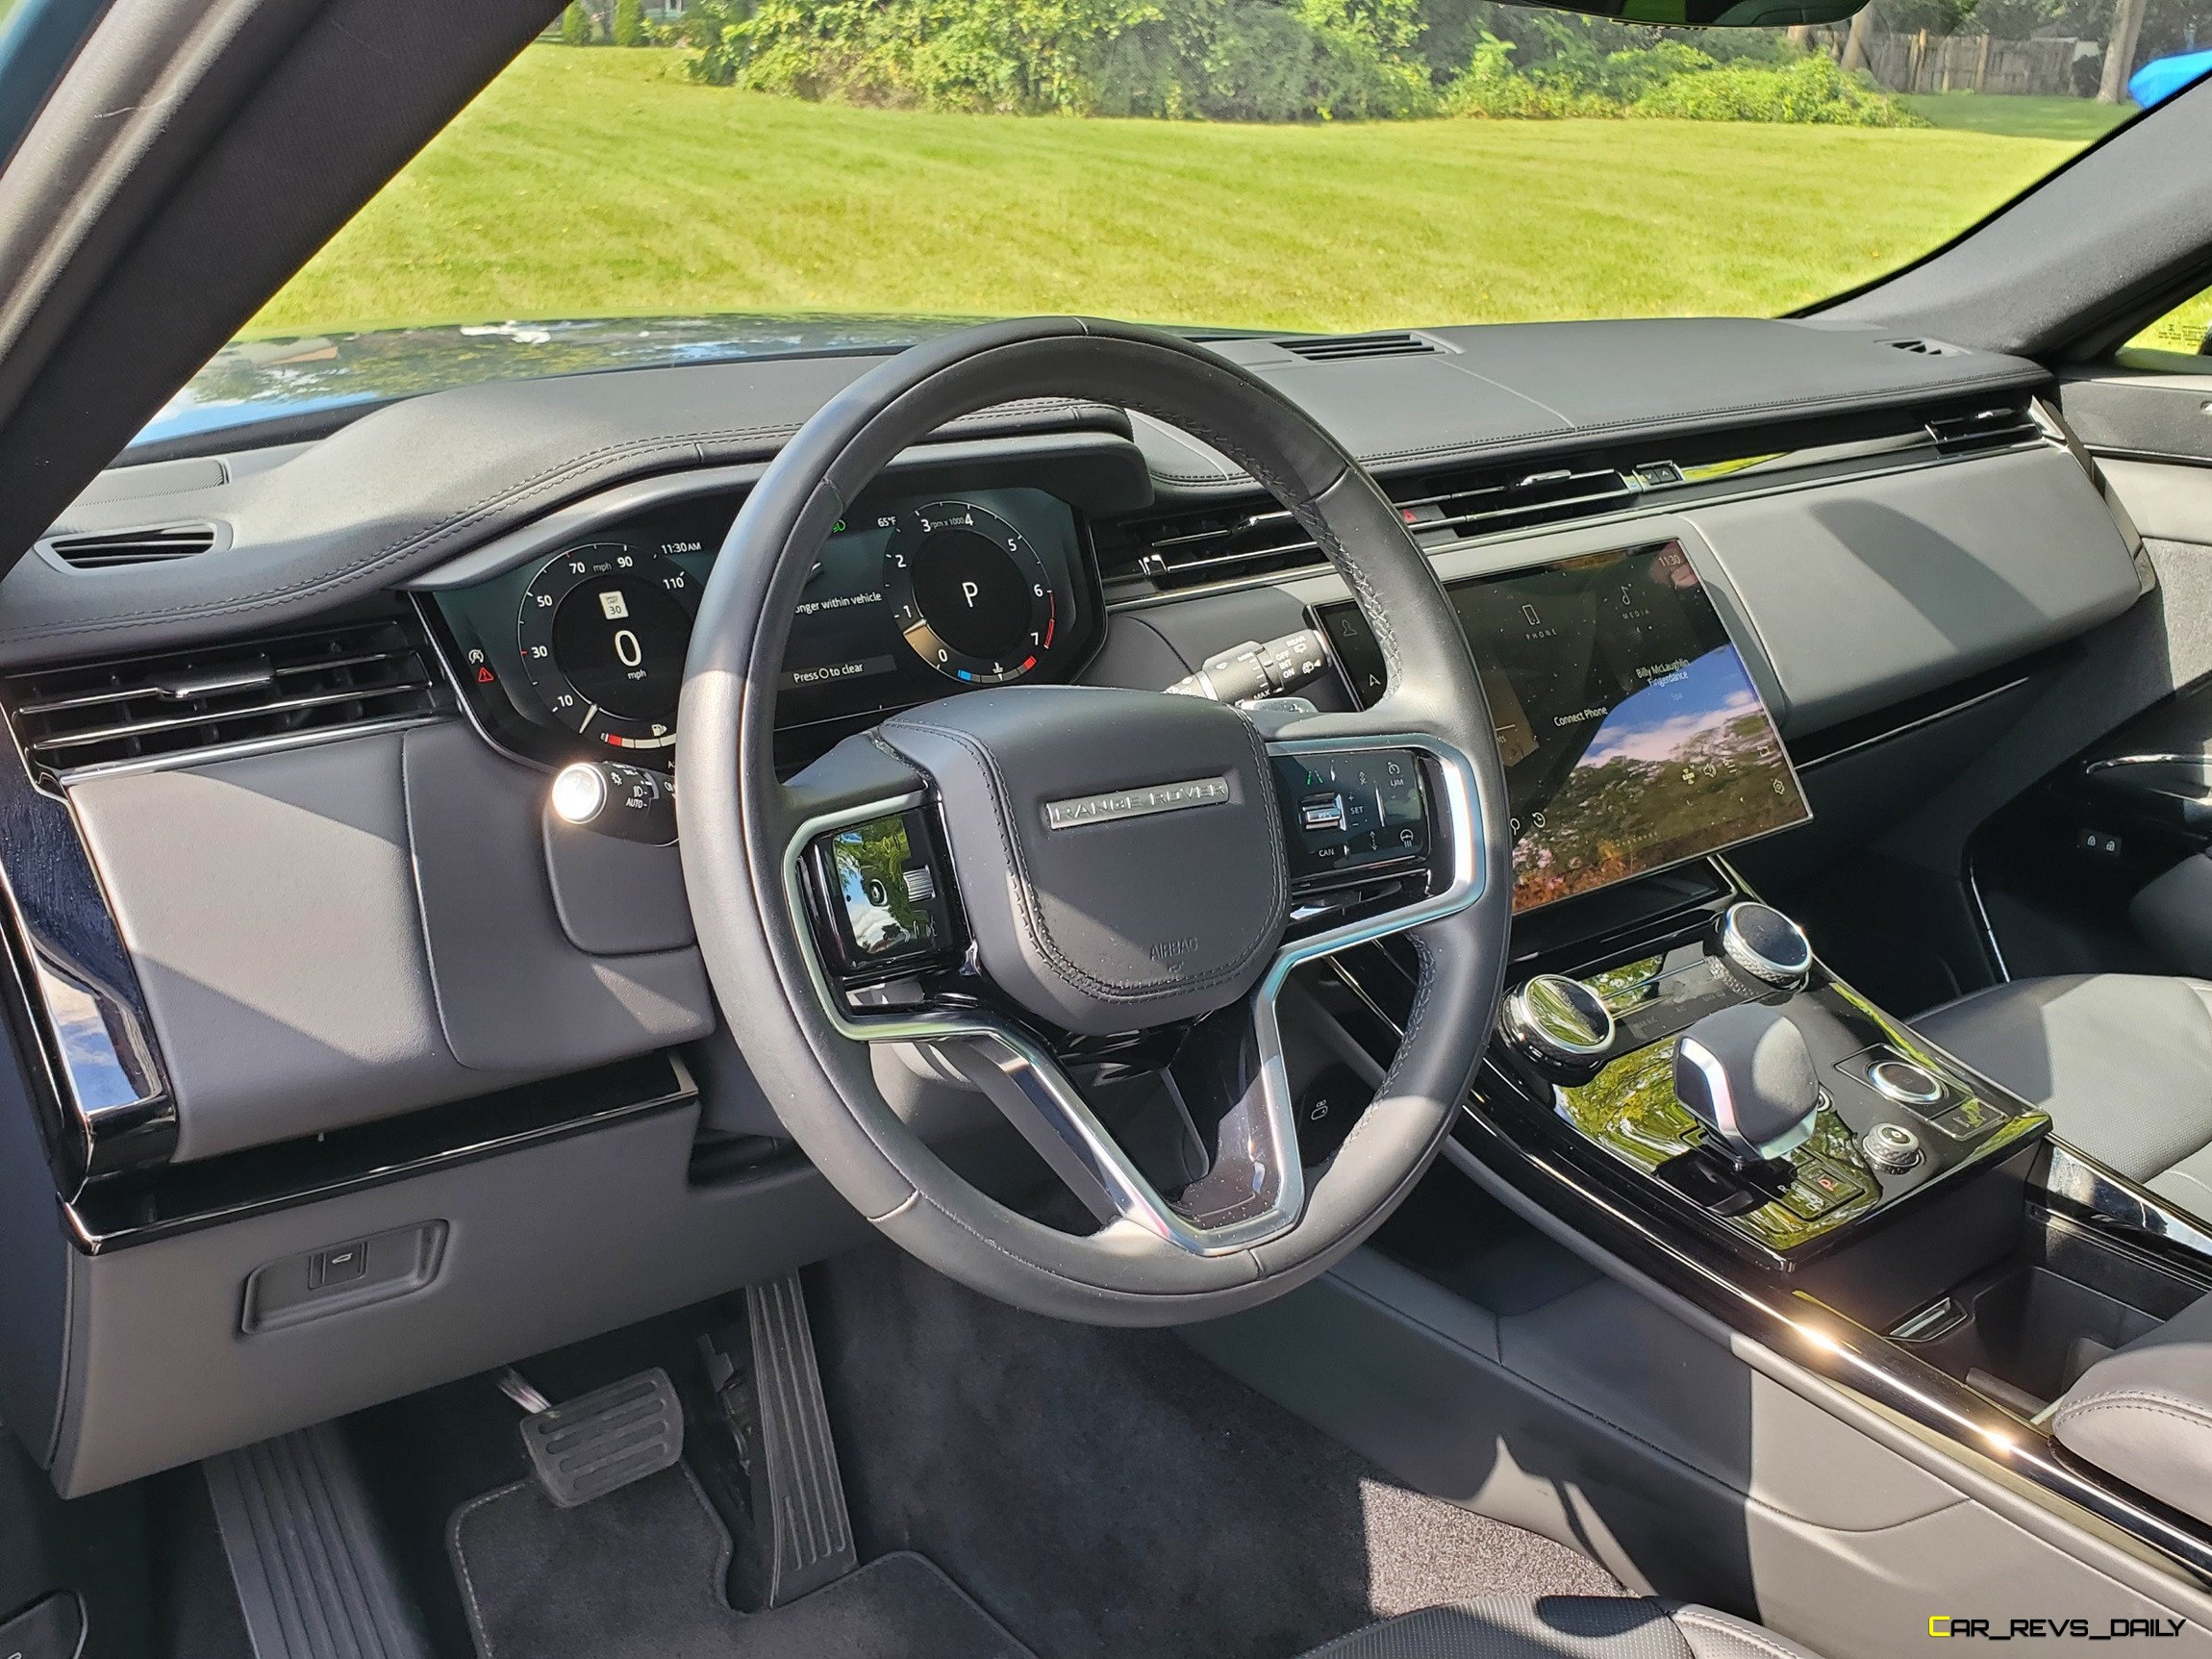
<point>1999,428</point>
<point>1336,348</point>
<point>155,544</point>
<point>245,693</point>
<point>1234,544</point>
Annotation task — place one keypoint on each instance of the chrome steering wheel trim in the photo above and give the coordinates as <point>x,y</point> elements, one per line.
<point>1265,1140</point>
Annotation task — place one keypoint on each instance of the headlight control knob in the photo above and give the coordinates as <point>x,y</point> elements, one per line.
<point>1560,1023</point>
<point>1765,946</point>
<point>630,803</point>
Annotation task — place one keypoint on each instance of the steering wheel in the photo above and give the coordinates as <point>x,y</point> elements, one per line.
<point>1122,860</point>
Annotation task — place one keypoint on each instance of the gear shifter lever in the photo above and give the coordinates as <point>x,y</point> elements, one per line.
<point>1747,1074</point>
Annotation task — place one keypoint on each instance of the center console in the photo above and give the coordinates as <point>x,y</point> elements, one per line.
<point>1678,1077</point>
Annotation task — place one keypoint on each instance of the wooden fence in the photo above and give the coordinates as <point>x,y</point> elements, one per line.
<point>1924,63</point>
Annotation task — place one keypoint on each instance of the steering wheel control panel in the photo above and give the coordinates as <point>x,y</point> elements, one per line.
<point>882,897</point>
<point>1350,815</point>
<point>1728,1067</point>
<point>582,651</point>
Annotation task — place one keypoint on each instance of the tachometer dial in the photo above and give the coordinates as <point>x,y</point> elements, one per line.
<point>969,593</point>
<point>604,630</point>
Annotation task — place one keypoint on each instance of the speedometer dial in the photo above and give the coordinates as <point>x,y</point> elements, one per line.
<point>969,593</point>
<point>604,630</point>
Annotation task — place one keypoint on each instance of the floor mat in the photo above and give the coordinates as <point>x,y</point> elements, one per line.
<point>1111,1494</point>
<point>637,1575</point>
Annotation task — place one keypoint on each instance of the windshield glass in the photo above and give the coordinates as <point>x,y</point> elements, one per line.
<point>780,175</point>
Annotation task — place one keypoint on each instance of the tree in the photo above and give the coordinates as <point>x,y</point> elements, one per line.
<point>629,22</point>
<point>2119,55</point>
<point>575,25</point>
<point>1855,47</point>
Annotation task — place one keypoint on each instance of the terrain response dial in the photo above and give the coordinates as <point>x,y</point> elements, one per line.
<point>969,593</point>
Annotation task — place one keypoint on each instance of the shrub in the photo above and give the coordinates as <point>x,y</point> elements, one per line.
<point>629,22</point>
<point>1812,89</point>
<point>1231,60</point>
<point>575,25</point>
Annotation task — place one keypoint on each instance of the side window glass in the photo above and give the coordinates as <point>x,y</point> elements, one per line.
<point>2183,329</point>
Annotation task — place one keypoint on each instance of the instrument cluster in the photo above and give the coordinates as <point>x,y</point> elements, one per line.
<point>911,598</point>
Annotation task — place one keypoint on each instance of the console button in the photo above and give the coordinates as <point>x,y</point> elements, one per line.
<point>1905,1082</point>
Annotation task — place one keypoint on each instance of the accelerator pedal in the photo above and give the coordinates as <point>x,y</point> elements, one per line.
<point>769,1389</point>
<point>601,1442</point>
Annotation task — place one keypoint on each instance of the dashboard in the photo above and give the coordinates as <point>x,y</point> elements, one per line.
<point>580,651</point>
<point>309,963</point>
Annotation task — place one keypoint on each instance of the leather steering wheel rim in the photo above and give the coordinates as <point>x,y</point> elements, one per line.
<point>738,820</point>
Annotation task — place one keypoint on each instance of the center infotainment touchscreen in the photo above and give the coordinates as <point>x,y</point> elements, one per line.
<point>1633,736</point>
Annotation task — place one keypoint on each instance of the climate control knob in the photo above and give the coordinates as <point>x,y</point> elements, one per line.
<point>1765,946</point>
<point>1560,1022</point>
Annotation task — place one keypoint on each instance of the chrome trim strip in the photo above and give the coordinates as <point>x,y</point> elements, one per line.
<point>245,749</point>
<point>1988,929</point>
<point>2115,1204</point>
<point>102,1070</point>
<point>1650,503</point>
<point>1927,720</point>
<point>1272,1142</point>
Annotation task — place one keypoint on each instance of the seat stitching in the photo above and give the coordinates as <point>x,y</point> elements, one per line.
<point>1738,1630</point>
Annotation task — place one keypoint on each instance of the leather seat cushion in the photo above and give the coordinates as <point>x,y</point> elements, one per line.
<point>1562,1627</point>
<point>2121,1062</point>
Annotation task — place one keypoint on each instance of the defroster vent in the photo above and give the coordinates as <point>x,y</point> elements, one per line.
<point>222,696</point>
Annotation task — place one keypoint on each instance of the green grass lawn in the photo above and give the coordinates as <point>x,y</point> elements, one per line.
<point>598,183</point>
<point>2077,120</point>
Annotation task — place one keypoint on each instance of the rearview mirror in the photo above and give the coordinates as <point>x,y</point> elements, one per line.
<point>1710,13</point>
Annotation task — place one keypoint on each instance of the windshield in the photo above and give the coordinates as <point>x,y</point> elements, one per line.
<point>780,175</point>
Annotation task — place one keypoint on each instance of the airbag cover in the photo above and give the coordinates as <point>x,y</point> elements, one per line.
<point>1118,853</point>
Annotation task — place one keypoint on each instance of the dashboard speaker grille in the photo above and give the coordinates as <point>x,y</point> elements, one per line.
<point>155,544</point>
<point>236,694</point>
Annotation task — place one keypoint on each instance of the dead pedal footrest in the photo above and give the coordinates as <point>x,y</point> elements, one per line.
<point>602,1441</point>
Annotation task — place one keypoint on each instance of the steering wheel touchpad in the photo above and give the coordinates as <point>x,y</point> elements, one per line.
<point>1120,853</point>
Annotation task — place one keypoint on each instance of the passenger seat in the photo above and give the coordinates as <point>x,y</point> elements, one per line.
<point>2121,1062</point>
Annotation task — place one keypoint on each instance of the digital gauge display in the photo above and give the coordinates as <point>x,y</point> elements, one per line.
<point>604,632</point>
<point>908,600</point>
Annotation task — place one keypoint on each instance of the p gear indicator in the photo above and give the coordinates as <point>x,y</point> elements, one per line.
<point>969,593</point>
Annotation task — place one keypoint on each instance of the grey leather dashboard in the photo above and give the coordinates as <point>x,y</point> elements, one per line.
<point>420,482</point>
<point>339,933</point>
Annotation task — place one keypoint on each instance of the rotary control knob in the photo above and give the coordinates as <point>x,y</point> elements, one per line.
<point>1891,1148</point>
<point>1765,946</point>
<point>1560,1022</point>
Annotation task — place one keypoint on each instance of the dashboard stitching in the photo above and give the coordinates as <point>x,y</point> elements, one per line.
<point>430,536</point>
<point>1032,919</point>
<point>1672,420</point>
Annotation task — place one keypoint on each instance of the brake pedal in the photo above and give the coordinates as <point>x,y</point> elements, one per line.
<point>769,1389</point>
<point>603,1441</point>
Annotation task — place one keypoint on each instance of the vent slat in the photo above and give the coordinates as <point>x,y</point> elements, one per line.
<point>159,543</point>
<point>181,704</point>
<point>1235,543</point>
<point>1341,347</point>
